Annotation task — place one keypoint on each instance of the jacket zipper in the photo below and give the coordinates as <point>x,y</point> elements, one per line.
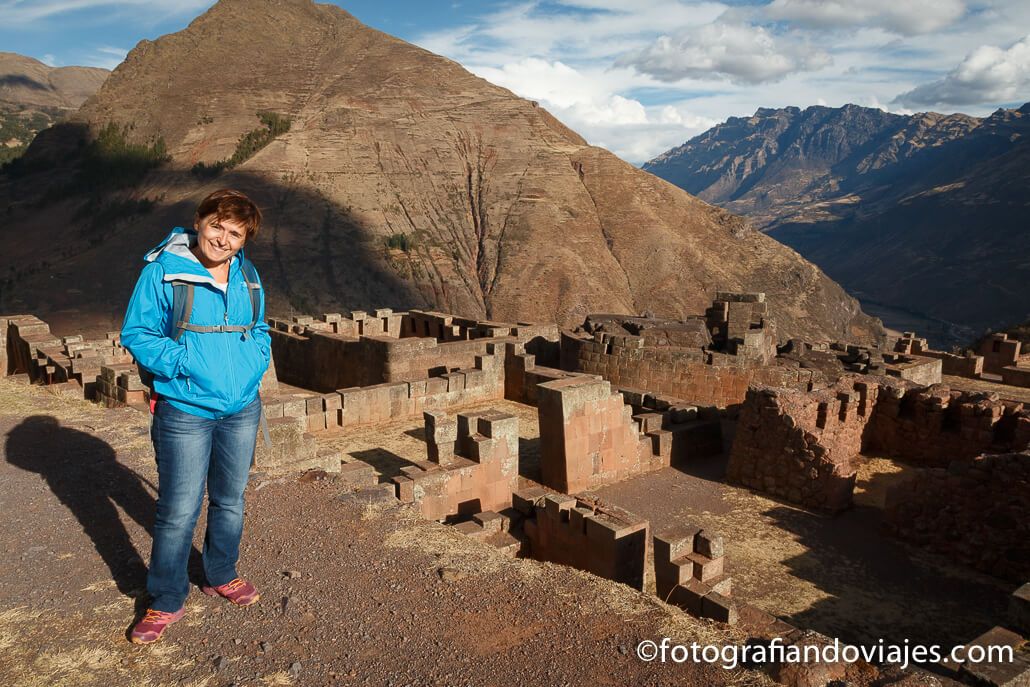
<point>228,346</point>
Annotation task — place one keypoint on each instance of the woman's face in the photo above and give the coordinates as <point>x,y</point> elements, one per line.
<point>218,240</point>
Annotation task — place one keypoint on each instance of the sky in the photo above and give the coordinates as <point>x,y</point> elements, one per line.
<point>641,76</point>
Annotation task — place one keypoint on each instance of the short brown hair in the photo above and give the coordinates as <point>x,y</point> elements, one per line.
<point>232,205</point>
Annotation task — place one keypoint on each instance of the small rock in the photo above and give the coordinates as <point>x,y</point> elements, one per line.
<point>291,574</point>
<point>219,662</point>
<point>295,668</point>
<point>264,646</point>
<point>237,641</point>
<point>623,650</point>
<point>450,574</point>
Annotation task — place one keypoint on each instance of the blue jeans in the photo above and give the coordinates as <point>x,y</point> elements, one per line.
<point>192,451</point>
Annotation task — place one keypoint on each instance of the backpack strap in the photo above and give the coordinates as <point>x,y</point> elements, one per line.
<point>182,307</point>
<point>254,288</point>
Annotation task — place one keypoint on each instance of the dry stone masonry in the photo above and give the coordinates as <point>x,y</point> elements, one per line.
<point>618,397</point>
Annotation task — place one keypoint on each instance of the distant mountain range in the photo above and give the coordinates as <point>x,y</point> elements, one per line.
<point>390,177</point>
<point>33,96</point>
<point>926,218</point>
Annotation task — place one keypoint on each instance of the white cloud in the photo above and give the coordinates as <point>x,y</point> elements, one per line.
<point>905,17</point>
<point>585,100</point>
<point>988,74</point>
<point>105,57</point>
<point>737,52</point>
<point>20,12</point>
<point>50,60</point>
<point>608,28</point>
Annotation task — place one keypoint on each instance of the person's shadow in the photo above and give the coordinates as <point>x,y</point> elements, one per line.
<point>84,473</point>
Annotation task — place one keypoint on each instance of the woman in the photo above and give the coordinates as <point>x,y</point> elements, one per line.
<point>196,323</point>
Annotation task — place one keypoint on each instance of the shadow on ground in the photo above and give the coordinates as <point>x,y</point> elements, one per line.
<point>83,472</point>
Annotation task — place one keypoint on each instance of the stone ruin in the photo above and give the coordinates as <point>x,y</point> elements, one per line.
<point>617,397</point>
<point>802,446</point>
<point>472,465</point>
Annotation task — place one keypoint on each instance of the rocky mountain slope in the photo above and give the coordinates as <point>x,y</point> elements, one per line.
<point>925,214</point>
<point>394,177</point>
<point>27,83</point>
<point>33,96</point>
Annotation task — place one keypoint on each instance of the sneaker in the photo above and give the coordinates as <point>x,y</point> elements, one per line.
<point>238,591</point>
<point>152,625</point>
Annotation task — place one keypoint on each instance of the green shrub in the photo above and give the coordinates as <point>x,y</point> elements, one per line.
<point>401,241</point>
<point>248,145</point>
<point>111,162</point>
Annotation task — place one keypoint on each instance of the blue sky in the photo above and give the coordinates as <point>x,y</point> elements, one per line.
<point>641,76</point>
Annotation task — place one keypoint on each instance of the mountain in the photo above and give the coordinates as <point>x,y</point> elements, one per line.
<point>26,83</point>
<point>924,217</point>
<point>33,96</point>
<point>391,177</point>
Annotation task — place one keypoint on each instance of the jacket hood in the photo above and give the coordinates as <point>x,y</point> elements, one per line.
<point>173,254</point>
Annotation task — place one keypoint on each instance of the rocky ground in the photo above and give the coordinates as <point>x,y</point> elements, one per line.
<point>352,594</point>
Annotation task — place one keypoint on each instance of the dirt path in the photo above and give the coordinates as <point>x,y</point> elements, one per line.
<point>373,596</point>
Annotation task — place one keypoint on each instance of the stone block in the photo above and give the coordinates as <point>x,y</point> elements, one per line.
<point>689,596</point>
<point>718,607</point>
<point>525,501</point>
<point>708,543</point>
<point>357,474</point>
<point>674,543</point>
<point>1019,609</point>
<point>489,521</point>
<point>555,505</point>
<point>999,673</point>
<point>405,488</point>
<point>705,568</point>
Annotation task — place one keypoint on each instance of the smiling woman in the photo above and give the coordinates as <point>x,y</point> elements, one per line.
<point>196,323</point>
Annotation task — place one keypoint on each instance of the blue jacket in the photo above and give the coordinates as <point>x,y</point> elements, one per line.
<point>211,374</point>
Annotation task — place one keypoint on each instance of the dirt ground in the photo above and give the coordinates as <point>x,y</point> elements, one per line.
<point>352,595</point>
<point>838,575</point>
<point>1013,393</point>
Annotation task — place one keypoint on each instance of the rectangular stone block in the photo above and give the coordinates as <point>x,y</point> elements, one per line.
<point>688,596</point>
<point>708,543</point>
<point>526,500</point>
<point>719,608</point>
<point>357,474</point>
<point>674,543</point>
<point>554,505</point>
<point>705,568</point>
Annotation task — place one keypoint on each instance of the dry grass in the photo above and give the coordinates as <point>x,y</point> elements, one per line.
<point>278,679</point>
<point>11,621</point>
<point>451,549</point>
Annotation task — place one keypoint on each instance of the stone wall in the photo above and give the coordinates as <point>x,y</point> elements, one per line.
<point>522,374</point>
<point>588,437</point>
<point>801,447</point>
<point>739,326</point>
<point>703,378</point>
<point>473,465</point>
<point>336,352</point>
<point>386,402</point>
<point>976,510</point>
<point>689,567</point>
<point>1016,375</point>
<point>604,540</point>
<point>933,426</point>
<point>999,351</point>
<point>966,365</point>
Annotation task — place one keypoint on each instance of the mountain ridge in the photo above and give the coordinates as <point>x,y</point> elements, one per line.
<point>507,213</point>
<point>922,212</point>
